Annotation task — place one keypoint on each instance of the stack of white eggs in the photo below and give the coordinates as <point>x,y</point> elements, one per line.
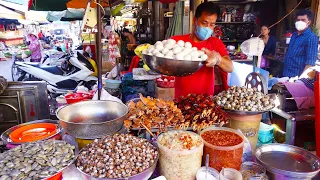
<point>175,50</point>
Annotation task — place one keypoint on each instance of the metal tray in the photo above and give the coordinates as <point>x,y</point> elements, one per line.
<point>5,136</point>
<point>172,67</point>
<point>282,160</point>
<point>246,112</point>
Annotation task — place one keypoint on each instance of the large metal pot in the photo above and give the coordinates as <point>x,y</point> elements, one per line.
<point>92,119</point>
<point>284,161</point>
<point>172,67</point>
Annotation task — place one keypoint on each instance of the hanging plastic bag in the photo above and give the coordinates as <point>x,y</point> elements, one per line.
<point>247,150</point>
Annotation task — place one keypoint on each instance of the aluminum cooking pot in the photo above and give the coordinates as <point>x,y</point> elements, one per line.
<point>92,119</point>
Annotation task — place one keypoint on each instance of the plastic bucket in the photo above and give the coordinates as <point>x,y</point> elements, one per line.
<point>249,126</point>
<point>265,134</point>
<point>182,164</point>
<point>223,156</point>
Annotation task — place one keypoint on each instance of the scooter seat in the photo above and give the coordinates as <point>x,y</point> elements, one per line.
<point>34,64</point>
<point>52,69</point>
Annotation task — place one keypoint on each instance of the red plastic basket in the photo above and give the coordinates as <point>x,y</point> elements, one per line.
<point>77,97</point>
<point>165,82</point>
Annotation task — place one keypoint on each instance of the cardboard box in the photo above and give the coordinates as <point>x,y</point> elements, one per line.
<point>164,93</point>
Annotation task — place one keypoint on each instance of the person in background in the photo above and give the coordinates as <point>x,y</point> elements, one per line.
<point>269,41</point>
<point>202,81</point>
<point>34,48</point>
<point>40,35</point>
<point>303,48</point>
<point>129,36</point>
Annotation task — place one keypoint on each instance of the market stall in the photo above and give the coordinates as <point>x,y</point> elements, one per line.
<point>193,137</point>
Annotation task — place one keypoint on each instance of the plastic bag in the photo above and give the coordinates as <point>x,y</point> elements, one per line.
<point>247,150</point>
<point>106,96</point>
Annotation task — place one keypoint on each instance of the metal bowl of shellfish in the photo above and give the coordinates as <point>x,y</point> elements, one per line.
<point>36,160</point>
<point>172,67</point>
<point>92,119</point>
<point>144,175</point>
<point>5,136</point>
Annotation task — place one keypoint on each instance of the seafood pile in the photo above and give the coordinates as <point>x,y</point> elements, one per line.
<point>200,112</point>
<point>36,160</point>
<point>153,113</point>
<point>117,156</point>
<point>244,99</point>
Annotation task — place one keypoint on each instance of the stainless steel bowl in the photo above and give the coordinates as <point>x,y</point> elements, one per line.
<point>5,136</point>
<point>284,161</point>
<point>92,119</point>
<point>172,67</point>
<point>145,175</point>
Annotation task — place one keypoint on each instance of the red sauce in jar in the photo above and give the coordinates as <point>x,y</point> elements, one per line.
<point>221,138</point>
<point>222,158</point>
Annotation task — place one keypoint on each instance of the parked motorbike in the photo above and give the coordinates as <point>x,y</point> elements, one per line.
<point>74,71</point>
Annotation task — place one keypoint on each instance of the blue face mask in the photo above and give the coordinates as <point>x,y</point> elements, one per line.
<point>203,33</point>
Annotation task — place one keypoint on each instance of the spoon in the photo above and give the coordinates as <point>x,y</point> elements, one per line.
<point>207,164</point>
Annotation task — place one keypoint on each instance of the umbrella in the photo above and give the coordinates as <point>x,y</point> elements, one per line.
<point>61,5</point>
<point>9,14</point>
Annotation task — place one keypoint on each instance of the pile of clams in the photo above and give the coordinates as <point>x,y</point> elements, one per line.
<point>244,99</point>
<point>35,160</point>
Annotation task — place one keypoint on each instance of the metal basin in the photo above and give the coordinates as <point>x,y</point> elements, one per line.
<point>284,161</point>
<point>172,67</point>
<point>145,175</point>
<point>92,119</point>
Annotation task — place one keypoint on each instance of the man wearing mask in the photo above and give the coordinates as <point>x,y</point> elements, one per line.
<point>202,81</point>
<point>303,48</point>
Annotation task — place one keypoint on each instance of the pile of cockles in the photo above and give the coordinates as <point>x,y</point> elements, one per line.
<point>172,49</point>
<point>244,99</point>
<point>117,156</point>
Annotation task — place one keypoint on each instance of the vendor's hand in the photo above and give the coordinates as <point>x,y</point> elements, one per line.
<point>214,57</point>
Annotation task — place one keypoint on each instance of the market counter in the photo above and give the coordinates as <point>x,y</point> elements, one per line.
<point>12,41</point>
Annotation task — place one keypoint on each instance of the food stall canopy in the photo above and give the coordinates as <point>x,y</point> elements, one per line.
<point>70,14</point>
<point>37,16</point>
<point>9,14</point>
<point>61,5</point>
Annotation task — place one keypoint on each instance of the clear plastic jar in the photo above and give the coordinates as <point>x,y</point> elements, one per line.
<point>253,171</point>
<point>177,161</point>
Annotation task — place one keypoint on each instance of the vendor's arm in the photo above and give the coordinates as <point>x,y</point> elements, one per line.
<point>214,58</point>
<point>312,52</point>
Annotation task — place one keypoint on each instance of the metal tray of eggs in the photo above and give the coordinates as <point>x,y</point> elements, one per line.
<point>174,58</point>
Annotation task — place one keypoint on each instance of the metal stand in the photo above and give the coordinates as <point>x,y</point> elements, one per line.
<point>98,49</point>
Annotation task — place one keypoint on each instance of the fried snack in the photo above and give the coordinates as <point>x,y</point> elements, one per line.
<point>153,113</point>
<point>200,112</point>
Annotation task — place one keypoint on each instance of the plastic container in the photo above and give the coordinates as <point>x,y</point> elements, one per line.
<point>212,174</point>
<point>230,174</point>
<point>253,170</point>
<point>112,84</point>
<point>33,132</point>
<point>77,97</point>
<point>223,156</point>
<point>61,101</point>
<point>249,126</point>
<point>265,135</point>
<point>165,82</point>
<point>179,164</point>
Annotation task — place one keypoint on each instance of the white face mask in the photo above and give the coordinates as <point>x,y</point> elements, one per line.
<point>300,25</point>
